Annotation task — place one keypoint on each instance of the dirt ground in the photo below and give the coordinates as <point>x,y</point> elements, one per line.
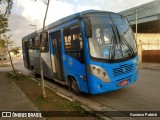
<point>60,108</point>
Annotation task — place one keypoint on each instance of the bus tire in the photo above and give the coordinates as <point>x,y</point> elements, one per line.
<point>36,75</point>
<point>74,87</point>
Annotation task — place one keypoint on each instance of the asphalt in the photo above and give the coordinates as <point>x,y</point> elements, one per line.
<point>12,99</point>
<point>152,66</point>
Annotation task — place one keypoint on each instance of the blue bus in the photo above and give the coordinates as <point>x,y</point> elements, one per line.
<point>91,51</point>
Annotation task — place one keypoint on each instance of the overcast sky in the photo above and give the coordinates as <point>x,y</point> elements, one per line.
<point>25,12</point>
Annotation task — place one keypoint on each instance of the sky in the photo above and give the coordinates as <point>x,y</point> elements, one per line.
<point>27,12</point>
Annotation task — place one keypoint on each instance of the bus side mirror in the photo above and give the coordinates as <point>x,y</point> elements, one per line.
<point>87,27</point>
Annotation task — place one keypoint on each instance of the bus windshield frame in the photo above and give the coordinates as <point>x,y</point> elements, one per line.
<point>112,38</point>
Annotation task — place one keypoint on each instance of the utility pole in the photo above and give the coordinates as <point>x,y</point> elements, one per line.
<point>136,24</point>
<point>33,26</point>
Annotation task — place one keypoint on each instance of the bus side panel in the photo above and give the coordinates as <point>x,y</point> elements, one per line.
<point>71,65</point>
<point>56,54</point>
<point>34,59</point>
<point>76,69</point>
<point>35,62</point>
<point>47,65</point>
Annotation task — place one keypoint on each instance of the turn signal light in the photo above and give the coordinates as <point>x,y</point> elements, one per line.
<point>83,77</point>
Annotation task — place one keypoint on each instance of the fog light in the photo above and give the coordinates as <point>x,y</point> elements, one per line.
<point>99,86</point>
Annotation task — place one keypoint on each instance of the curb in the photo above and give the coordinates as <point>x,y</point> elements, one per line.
<point>26,96</point>
<point>87,108</point>
<point>88,105</point>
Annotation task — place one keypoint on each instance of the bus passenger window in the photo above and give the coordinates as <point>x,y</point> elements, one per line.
<point>45,46</point>
<point>30,42</point>
<point>74,43</point>
<point>37,41</point>
<point>33,41</point>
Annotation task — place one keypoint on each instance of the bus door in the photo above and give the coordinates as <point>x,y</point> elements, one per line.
<point>56,54</point>
<point>26,54</point>
<point>73,60</point>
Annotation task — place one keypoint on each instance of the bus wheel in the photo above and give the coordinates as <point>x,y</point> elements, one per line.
<point>74,87</point>
<point>34,72</point>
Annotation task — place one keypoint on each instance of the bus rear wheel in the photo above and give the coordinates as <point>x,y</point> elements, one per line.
<point>74,87</point>
<point>35,74</point>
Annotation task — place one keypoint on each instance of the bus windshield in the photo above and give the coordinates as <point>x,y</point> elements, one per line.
<point>112,38</point>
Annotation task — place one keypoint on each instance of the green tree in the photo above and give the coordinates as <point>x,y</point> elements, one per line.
<point>4,20</point>
<point>4,27</point>
<point>8,41</point>
<point>3,16</point>
<point>2,44</point>
<point>2,48</point>
<point>15,50</point>
<point>3,24</point>
<point>8,7</point>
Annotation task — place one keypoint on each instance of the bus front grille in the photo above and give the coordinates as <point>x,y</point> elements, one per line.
<point>123,69</point>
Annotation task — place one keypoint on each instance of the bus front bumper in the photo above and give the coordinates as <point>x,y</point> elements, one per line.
<point>96,86</point>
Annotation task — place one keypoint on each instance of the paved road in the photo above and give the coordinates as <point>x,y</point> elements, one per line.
<point>141,96</point>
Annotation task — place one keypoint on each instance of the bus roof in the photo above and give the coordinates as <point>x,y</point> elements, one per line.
<point>61,21</point>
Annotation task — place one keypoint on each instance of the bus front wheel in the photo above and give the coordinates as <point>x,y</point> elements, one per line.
<point>74,87</point>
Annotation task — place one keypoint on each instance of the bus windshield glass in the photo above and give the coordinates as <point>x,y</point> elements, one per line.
<point>112,38</point>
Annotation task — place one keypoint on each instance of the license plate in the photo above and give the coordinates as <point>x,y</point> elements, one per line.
<point>123,83</point>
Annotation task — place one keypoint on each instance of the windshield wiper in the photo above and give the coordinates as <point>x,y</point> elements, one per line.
<point>112,50</point>
<point>128,45</point>
<point>114,42</point>
<point>121,37</point>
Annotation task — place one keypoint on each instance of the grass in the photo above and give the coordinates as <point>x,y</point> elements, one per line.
<point>53,102</point>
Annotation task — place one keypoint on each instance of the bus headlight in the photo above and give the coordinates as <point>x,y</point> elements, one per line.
<point>98,72</point>
<point>104,75</point>
<point>94,67</point>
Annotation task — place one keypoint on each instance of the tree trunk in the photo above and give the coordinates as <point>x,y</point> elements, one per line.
<point>11,60</point>
<point>41,62</point>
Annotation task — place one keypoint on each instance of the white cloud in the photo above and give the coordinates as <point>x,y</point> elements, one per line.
<point>98,0</point>
<point>118,6</point>
<point>86,7</point>
<point>59,9</point>
<point>2,8</point>
<point>35,11</point>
